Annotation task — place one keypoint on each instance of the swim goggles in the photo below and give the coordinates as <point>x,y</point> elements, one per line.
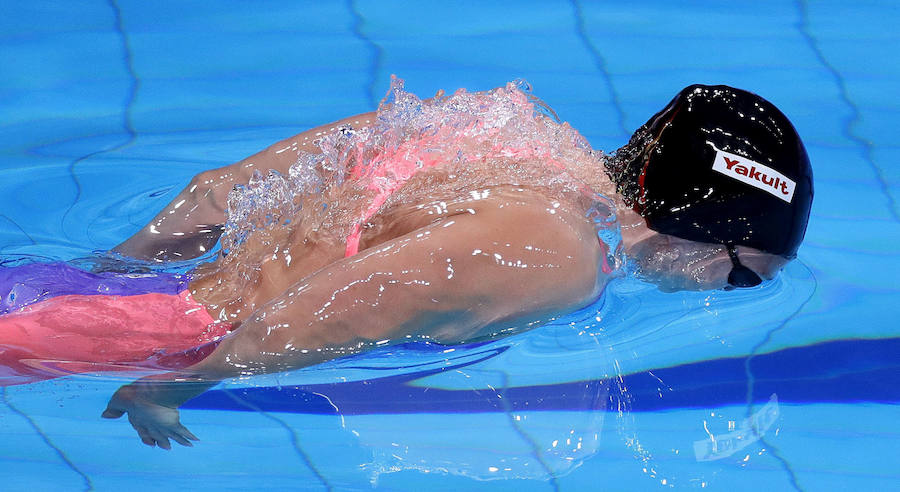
<point>740,276</point>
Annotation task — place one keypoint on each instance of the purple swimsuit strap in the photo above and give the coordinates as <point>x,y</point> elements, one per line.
<point>27,284</point>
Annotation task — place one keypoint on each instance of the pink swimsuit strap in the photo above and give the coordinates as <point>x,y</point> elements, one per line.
<point>386,173</point>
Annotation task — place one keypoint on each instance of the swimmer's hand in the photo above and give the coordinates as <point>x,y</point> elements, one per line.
<point>173,244</point>
<point>189,226</point>
<point>152,408</point>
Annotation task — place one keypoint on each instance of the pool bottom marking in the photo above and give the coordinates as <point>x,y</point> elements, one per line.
<point>752,429</point>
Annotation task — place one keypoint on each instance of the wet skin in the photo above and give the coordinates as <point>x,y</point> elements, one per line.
<point>484,264</point>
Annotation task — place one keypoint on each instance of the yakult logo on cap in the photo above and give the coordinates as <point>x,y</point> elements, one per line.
<point>754,174</point>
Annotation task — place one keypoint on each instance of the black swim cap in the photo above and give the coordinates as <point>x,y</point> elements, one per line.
<point>719,165</point>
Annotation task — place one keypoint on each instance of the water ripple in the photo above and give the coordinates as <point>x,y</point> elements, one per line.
<point>127,104</point>
<point>600,62</point>
<point>850,123</point>
<point>377,54</point>
<point>88,484</point>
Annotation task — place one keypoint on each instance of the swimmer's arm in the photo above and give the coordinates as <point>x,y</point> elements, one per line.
<point>444,282</point>
<point>191,224</point>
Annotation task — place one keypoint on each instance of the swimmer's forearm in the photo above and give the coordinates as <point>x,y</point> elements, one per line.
<point>176,388</point>
<point>169,390</point>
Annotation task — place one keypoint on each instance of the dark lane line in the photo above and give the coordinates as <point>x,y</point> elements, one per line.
<point>844,371</point>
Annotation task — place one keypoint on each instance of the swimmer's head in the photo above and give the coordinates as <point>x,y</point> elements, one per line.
<point>724,167</point>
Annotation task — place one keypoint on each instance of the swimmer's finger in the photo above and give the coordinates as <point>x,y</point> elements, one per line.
<point>179,439</point>
<point>161,440</point>
<point>144,435</point>
<point>183,431</point>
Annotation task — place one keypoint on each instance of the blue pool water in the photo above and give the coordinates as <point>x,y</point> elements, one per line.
<point>109,108</point>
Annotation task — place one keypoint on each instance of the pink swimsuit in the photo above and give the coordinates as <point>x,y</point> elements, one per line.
<point>81,333</point>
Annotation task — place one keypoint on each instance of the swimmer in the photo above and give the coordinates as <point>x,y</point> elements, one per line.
<point>462,217</point>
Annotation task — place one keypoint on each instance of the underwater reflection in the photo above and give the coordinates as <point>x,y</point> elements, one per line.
<point>478,425</point>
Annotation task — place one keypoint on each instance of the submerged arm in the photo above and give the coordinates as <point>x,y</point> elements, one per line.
<point>446,282</point>
<point>191,224</point>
